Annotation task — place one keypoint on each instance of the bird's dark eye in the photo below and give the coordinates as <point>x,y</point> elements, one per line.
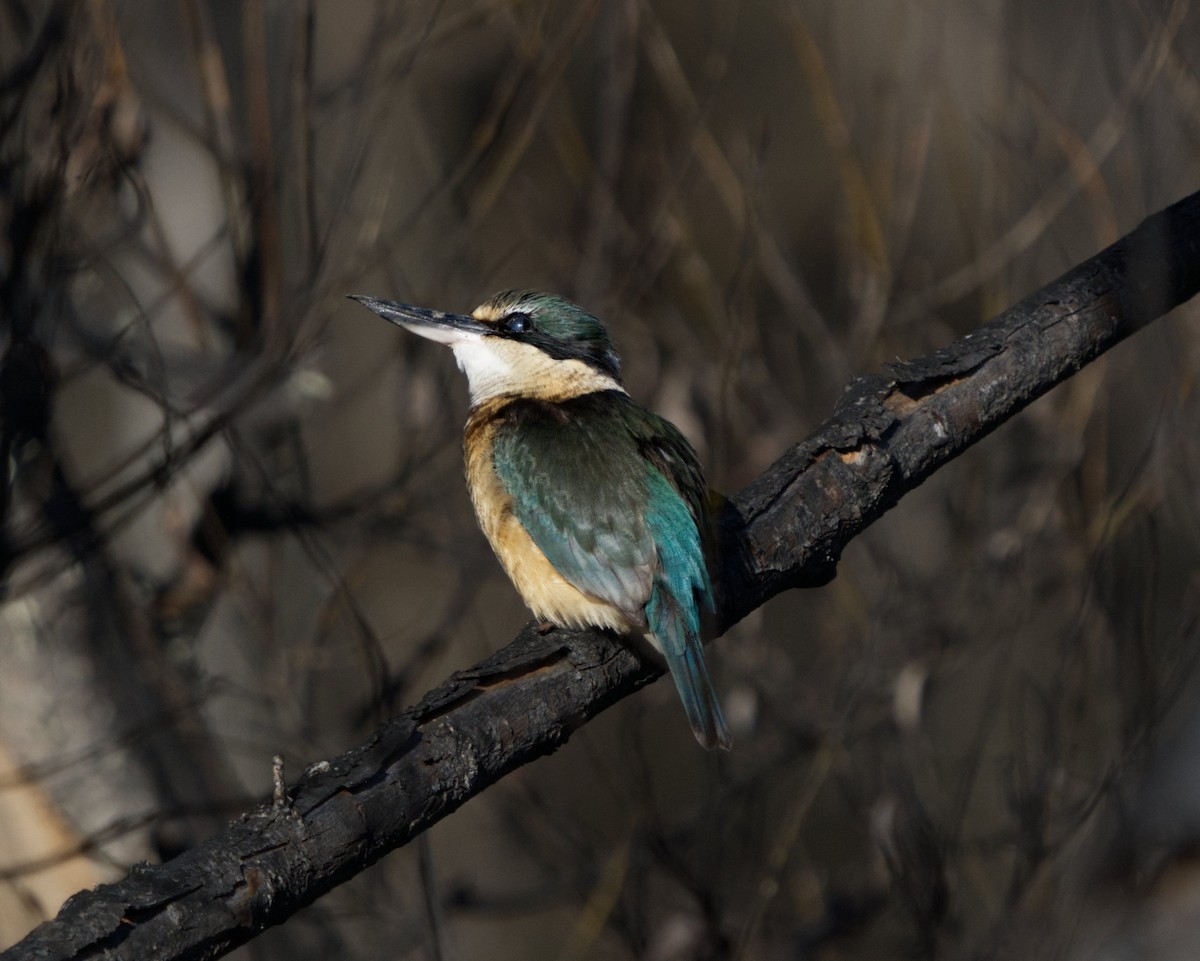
<point>518,323</point>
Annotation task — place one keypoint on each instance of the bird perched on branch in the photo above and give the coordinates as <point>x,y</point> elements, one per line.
<point>594,505</point>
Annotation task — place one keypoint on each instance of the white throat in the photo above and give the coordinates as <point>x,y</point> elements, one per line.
<point>495,366</point>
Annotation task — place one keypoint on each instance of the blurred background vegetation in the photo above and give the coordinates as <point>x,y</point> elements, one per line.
<point>235,525</point>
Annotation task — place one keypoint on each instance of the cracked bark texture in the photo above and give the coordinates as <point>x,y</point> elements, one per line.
<point>786,529</point>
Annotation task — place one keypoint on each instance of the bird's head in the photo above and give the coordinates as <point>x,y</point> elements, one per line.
<point>519,343</point>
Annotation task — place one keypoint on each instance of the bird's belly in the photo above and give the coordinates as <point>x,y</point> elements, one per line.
<point>548,594</point>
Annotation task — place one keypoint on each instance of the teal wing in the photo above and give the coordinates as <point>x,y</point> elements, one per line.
<point>613,495</point>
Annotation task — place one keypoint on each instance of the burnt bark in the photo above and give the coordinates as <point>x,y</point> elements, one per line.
<point>786,529</point>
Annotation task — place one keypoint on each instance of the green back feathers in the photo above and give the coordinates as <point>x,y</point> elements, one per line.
<point>612,494</point>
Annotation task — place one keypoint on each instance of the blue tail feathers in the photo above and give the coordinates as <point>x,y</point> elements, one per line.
<point>673,611</point>
<point>676,630</point>
<point>697,694</point>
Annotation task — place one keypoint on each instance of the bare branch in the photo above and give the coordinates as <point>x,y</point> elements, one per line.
<point>786,529</point>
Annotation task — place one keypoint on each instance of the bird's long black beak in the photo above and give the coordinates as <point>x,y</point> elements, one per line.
<point>434,324</point>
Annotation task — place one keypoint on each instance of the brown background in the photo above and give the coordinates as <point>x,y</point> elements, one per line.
<point>980,740</point>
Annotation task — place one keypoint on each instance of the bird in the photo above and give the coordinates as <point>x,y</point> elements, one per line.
<point>594,505</point>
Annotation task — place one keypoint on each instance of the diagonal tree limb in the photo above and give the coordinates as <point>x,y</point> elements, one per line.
<point>891,431</point>
<point>786,529</point>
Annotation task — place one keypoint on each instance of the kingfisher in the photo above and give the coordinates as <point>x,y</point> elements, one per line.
<point>594,505</point>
